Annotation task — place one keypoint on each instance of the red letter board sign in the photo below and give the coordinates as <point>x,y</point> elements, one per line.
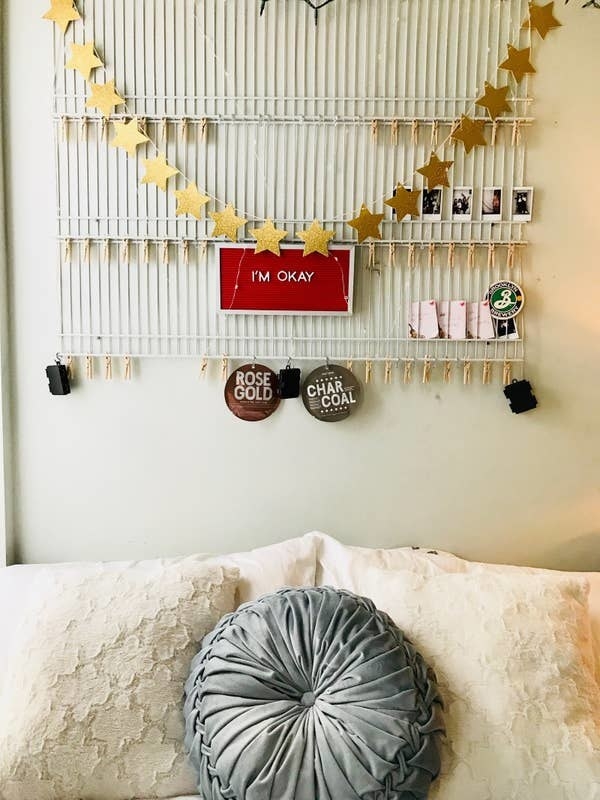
<point>288,284</point>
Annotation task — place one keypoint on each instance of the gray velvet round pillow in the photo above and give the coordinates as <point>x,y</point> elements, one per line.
<point>312,694</point>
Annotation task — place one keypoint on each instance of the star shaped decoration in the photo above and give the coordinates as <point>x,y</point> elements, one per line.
<point>316,239</point>
<point>268,238</point>
<point>128,136</point>
<point>470,133</point>
<point>405,202</point>
<point>436,172</point>
<point>63,12</point>
<point>494,100</point>
<point>518,63</point>
<point>542,19</point>
<point>367,224</point>
<point>190,201</point>
<point>84,59</point>
<point>158,171</point>
<point>104,97</point>
<point>227,222</point>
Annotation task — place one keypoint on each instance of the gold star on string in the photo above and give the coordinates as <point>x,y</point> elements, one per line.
<point>104,97</point>
<point>63,12</point>
<point>227,223</point>
<point>436,172</point>
<point>542,19</point>
<point>494,100</point>
<point>518,62</point>
<point>190,201</point>
<point>84,59</point>
<point>367,224</point>
<point>268,238</point>
<point>316,239</point>
<point>405,202</point>
<point>158,171</point>
<point>128,136</point>
<point>470,133</point>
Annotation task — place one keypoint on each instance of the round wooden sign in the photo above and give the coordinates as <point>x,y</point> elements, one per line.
<point>251,392</point>
<point>331,393</point>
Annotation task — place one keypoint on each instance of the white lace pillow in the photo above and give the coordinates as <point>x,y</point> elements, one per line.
<point>514,663</point>
<point>91,690</point>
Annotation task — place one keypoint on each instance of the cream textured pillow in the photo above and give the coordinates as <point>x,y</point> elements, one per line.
<point>342,566</point>
<point>515,667</point>
<point>91,691</point>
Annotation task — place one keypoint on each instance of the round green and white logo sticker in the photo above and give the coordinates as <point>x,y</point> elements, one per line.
<point>506,299</point>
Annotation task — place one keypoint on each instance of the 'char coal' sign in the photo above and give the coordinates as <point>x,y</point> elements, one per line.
<point>291,283</point>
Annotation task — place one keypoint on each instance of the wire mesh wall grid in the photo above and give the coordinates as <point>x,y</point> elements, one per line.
<point>293,121</point>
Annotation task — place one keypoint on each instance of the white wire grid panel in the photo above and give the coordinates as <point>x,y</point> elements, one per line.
<point>292,121</point>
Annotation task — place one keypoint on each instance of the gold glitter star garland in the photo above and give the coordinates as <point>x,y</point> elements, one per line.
<point>405,201</point>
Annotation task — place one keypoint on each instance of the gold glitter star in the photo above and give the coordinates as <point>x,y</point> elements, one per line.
<point>158,171</point>
<point>84,59</point>
<point>518,62</point>
<point>494,100</point>
<point>542,19</point>
<point>436,172</point>
<point>367,224</point>
<point>227,223</point>
<point>470,133</point>
<point>128,136</point>
<point>190,201</point>
<point>104,97</point>
<point>268,238</point>
<point>63,12</point>
<point>405,202</point>
<point>316,239</point>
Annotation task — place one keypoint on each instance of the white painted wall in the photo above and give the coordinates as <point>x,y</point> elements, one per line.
<point>159,466</point>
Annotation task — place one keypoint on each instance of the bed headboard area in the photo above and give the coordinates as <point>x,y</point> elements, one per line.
<point>429,170</point>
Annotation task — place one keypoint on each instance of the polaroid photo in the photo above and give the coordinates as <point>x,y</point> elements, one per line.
<point>452,318</point>
<point>479,321</point>
<point>506,328</point>
<point>462,204</point>
<point>423,323</point>
<point>431,205</point>
<point>522,204</point>
<point>491,204</point>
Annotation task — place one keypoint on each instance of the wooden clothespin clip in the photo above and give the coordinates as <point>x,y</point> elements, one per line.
<point>395,131</point>
<point>431,255</point>
<point>471,255</point>
<point>371,262</point>
<point>127,368</point>
<point>487,372</point>
<point>107,368</point>
<point>64,130</point>
<point>86,252</point>
<point>70,368</point>
<point>183,129</point>
<point>83,131</point>
<point>185,246</point>
<point>427,367</point>
<point>106,251</point>
<point>411,255</point>
<point>165,252</point>
<point>89,368</point>
<point>67,251</point>
<point>368,371</point>
<point>447,371</point>
<point>408,370</point>
<point>451,254</point>
<point>506,373</point>
<point>224,368</point>
<point>387,375</point>
<point>516,133</point>
<point>203,128</point>
<point>392,254</point>
<point>510,257</point>
<point>414,131</point>
<point>145,252</point>
<point>467,372</point>
<point>435,127</point>
<point>163,129</point>
<point>203,367</point>
<point>349,364</point>
<point>374,130</point>
<point>494,132</point>
<point>491,262</point>
<point>125,252</point>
